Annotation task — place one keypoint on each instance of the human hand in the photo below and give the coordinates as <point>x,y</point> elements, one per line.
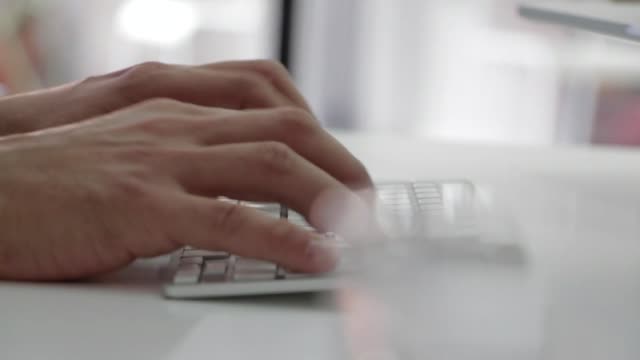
<point>235,85</point>
<point>91,197</point>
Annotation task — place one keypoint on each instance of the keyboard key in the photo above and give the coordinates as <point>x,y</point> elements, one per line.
<point>429,201</point>
<point>427,191</point>
<point>286,274</point>
<point>254,275</point>
<point>254,270</point>
<point>393,195</point>
<point>298,219</point>
<point>397,201</point>
<point>261,206</point>
<point>187,274</point>
<point>205,253</point>
<point>421,185</point>
<point>214,270</point>
<point>295,215</point>
<point>400,207</point>
<point>284,212</point>
<point>271,209</point>
<point>291,276</point>
<point>432,207</point>
<point>428,194</point>
<point>393,189</point>
<point>192,260</point>
<point>248,265</point>
<point>432,210</point>
<point>393,186</point>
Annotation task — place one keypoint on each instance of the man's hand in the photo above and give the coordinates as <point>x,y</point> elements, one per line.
<point>235,85</point>
<point>88,198</point>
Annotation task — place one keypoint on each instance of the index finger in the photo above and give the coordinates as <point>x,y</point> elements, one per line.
<point>291,126</point>
<point>265,171</point>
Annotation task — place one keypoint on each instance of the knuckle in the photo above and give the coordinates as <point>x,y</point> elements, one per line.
<point>146,69</point>
<point>140,154</point>
<point>229,218</point>
<point>270,68</point>
<point>133,188</point>
<point>103,77</point>
<point>159,104</point>
<point>158,126</point>
<point>296,123</point>
<point>91,80</point>
<point>246,82</point>
<point>282,237</point>
<point>275,158</point>
<point>135,80</point>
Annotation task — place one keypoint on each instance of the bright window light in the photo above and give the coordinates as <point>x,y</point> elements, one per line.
<point>157,22</point>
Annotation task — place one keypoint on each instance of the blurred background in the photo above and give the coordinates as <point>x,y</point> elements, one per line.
<point>449,70</point>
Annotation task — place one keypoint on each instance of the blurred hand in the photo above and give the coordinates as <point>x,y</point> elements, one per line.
<point>234,85</point>
<point>88,198</point>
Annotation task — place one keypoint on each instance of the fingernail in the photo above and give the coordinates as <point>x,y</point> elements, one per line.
<point>323,255</point>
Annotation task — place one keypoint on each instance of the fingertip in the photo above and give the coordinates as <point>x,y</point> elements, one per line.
<point>340,211</point>
<point>322,256</point>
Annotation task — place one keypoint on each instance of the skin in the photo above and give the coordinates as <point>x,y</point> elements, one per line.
<point>134,164</point>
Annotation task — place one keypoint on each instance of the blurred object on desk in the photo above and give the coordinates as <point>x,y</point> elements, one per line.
<point>618,114</point>
<point>575,296</point>
<point>601,106</point>
<point>19,49</point>
<point>468,292</point>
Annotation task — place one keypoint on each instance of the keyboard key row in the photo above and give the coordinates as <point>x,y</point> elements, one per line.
<point>204,253</point>
<point>187,274</point>
<point>194,270</point>
<point>214,271</point>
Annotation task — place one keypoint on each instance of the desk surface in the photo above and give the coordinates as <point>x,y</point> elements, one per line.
<point>124,316</point>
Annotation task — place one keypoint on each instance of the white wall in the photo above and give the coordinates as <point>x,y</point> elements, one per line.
<point>458,70</point>
<point>83,37</point>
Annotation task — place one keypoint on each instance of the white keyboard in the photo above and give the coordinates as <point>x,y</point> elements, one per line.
<point>439,212</point>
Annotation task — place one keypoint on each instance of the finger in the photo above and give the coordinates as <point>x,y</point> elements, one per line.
<point>213,126</point>
<point>297,129</point>
<point>166,118</point>
<point>169,107</point>
<point>201,86</point>
<point>273,71</point>
<point>224,226</point>
<point>266,171</point>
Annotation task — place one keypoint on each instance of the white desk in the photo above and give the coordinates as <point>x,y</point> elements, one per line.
<point>125,317</point>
